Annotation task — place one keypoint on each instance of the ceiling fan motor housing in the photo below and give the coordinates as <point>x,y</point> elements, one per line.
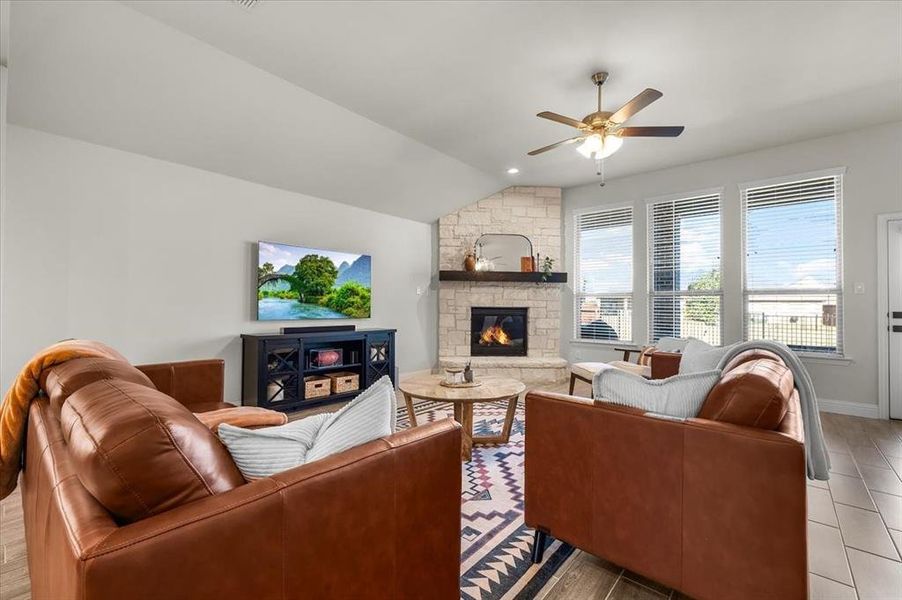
<point>597,119</point>
<point>600,77</point>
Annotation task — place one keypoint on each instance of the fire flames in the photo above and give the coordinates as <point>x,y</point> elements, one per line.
<point>495,335</point>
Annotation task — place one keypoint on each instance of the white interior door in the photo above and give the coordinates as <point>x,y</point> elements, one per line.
<point>894,280</point>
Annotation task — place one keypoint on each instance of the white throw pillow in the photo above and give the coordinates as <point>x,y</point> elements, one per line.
<point>262,452</point>
<point>699,356</point>
<point>679,396</point>
<point>365,418</point>
<point>671,344</point>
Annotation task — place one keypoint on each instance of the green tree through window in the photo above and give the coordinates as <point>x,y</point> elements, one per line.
<point>704,309</point>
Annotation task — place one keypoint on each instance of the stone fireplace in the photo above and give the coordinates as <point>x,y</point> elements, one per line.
<point>531,211</point>
<point>499,331</point>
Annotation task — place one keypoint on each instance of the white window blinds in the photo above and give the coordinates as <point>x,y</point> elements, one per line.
<point>604,279</point>
<point>792,245</point>
<point>685,294</point>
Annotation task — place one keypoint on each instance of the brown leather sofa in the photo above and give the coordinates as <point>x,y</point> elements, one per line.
<point>127,495</point>
<point>712,506</point>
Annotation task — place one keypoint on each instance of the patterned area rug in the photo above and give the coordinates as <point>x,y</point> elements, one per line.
<point>495,544</point>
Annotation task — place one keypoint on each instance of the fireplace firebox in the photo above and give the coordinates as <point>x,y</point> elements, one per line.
<point>498,331</point>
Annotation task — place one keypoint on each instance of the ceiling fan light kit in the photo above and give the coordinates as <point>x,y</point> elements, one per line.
<point>602,132</point>
<point>598,147</point>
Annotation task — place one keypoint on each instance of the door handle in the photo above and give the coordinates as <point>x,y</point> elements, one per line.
<point>897,328</point>
<point>897,314</point>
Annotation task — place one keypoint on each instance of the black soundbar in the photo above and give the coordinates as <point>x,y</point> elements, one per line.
<point>320,329</point>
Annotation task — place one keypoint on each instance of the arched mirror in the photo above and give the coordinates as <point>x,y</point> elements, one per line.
<point>501,251</point>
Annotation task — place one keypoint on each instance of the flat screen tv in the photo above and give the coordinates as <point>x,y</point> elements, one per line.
<point>308,283</point>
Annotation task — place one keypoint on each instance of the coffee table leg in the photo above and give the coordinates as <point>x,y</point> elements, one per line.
<point>509,419</point>
<point>411,416</point>
<point>466,425</point>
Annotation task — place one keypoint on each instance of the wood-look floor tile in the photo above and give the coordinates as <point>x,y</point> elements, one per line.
<point>896,463</point>
<point>826,554</point>
<point>843,464</point>
<point>627,589</point>
<point>858,437</point>
<point>890,446</point>
<point>850,490</point>
<point>890,508</point>
<point>820,507</point>
<point>836,443</point>
<point>876,578</point>
<point>869,456</point>
<point>864,530</point>
<point>14,566</point>
<point>587,577</point>
<point>881,480</point>
<point>897,539</point>
<point>821,588</point>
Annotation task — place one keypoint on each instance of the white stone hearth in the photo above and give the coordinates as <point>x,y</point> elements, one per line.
<point>531,211</point>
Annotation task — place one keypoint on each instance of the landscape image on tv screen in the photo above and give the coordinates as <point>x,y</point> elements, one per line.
<point>307,283</point>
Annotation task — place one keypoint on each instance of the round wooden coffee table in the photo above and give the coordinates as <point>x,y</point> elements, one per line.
<point>493,389</point>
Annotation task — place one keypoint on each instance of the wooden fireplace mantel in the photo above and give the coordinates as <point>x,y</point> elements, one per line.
<point>513,276</point>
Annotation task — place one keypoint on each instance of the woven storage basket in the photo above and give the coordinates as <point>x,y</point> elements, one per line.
<point>316,386</point>
<point>344,381</point>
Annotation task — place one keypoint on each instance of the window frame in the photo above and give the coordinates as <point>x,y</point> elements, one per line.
<point>839,174</point>
<point>578,294</point>
<point>649,254</point>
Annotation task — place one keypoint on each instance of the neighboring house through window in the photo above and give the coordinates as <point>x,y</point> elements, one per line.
<point>603,255</point>
<point>792,245</point>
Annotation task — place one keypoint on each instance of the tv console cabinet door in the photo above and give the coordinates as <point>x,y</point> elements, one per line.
<point>380,357</point>
<point>280,373</point>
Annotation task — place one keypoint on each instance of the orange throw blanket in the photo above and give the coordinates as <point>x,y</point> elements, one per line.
<point>242,416</point>
<point>14,411</point>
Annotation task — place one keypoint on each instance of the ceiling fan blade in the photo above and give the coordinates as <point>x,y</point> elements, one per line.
<point>645,97</point>
<point>650,131</point>
<point>556,144</point>
<point>562,119</point>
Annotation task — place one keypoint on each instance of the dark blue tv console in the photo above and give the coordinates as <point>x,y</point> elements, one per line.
<point>274,365</point>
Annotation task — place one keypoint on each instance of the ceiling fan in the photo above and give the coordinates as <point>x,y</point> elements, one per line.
<point>602,132</point>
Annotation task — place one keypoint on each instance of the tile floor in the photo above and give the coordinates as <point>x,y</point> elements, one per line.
<point>854,529</point>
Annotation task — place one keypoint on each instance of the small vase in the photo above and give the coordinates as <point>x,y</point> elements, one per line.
<point>469,262</point>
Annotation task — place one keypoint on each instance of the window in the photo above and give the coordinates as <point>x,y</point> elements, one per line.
<point>793,263</point>
<point>685,296</point>
<point>604,275</point>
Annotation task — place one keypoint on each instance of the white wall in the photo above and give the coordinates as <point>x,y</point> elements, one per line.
<point>157,259</point>
<point>107,74</point>
<point>872,185</point>
<point>4,79</point>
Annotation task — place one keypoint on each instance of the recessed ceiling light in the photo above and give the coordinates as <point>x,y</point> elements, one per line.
<point>513,171</point>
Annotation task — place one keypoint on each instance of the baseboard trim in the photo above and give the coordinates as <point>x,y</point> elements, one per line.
<point>409,374</point>
<point>844,407</point>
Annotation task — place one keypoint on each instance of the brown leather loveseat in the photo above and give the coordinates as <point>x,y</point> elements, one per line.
<point>127,495</point>
<point>712,506</point>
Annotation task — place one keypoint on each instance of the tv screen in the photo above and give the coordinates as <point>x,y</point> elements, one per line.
<point>308,283</point>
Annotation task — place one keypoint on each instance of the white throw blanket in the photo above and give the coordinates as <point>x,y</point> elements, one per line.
<point>632,390</point>
<point>818,461</point>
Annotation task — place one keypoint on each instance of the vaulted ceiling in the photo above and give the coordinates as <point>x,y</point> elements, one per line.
<point>418,108</point>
